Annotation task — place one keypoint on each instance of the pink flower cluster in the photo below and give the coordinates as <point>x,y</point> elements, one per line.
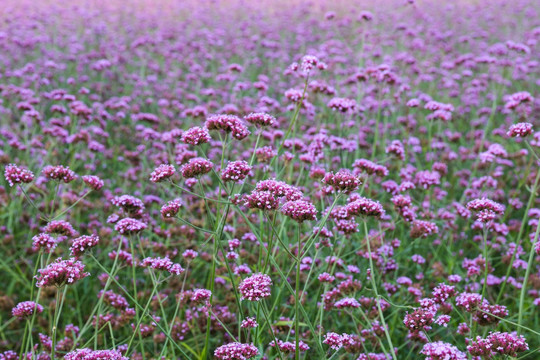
<point>128,226</point>
<point>94,182</point>
<point>342,180</point>
<point>130,204</point>
<point>87,354</point>
<point>26,309</point>
<point>228,123</point>
<point>288,346</point>
<point>300,211</point>
<point>347,303</point>
<point>365,207</point>
<point>196,167</point>
<point>260,119</point>
<point>45,242</point>
<point>16,175</point>
<point>486,209</point>
<point>343,105</point>
<point>498,343</point>
<point>262,200</point>
<point>520,130</point>
<point>59,173</point>
<point>236,351</point>
<point>201,296</point>
<point>256,287</point>
<point>236,171</point>
<point>171,208</point>
<point>422,228</point>
<point>60,227</point>
<point>162,172</point>
<point>61,272</point>
<point>81,244</point>
<point>440,350</point>
<point>164,264</point>
<point>196,136</point>
<point>279,189</point>
<point>369,167</point>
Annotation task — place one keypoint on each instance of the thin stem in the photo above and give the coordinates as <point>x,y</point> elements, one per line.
<point>72,205</point>
<point>60,297</point>
<point>297,298</point>
<point>377,297</point>
<point>526,278</point>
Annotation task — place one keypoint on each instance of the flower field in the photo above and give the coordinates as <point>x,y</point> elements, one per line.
<point>241,180</point>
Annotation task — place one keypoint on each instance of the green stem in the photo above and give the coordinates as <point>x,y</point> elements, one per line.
<point>377,297</point>
<point>526,278</point>
<point>60,297</point>
<point>297,298</point>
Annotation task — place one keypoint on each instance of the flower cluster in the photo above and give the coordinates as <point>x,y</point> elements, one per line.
<point>16,175</point>
<point>60,227</point>
<point>162,172</point>
<point>196,167</point>
<point>94,182</point>
<point>365,207</point>
<point>228,123</point>
<point>236,351</point>
<point>442,351</point>
<point>164,264</point>
<point>260,119</point>
<point>369,167</point>
<point>343,105</point>
<point>255,287</point>
<point>236,171</point>
<point>422,228</point>
<point>263,200</point>
<point>87,354</point>
<point>45,242</point>
<point>520,130</point>
<point>486,209</point>
<point>342,180</point>
<point>26,309</point>
<point>59,173</point>
<point>128,226</point>
<point>300,210</point>
<point>81,244</point>
<point>196,136</point>
<point>501,343</point>
<point>171,208</point>
<point>130,204</point>
<point>61,272</point>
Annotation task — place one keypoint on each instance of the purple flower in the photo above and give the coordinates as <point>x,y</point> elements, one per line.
<point>162,172</point>
<point>255,287</point>
<point>26,309</point>
<point>16,175</point>
<point>61,272</point>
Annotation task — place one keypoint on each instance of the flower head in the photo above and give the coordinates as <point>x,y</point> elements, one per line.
<point>26,309</point>
<point>61,272</point>
<point>196,136</point>
<point>236,351</point>
<point>256,287</point>
<point>520,130</point>
<point>162,172</point>
<point>16,175</point>
<point>300,210</point>
<point>59,173</point>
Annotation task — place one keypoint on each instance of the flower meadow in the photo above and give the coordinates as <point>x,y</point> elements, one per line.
<point>241,180</point>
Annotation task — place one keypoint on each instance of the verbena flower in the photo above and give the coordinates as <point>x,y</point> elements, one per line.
<point>26,309</point>
<point>255,287</point>
<point>16,175</point>
<point>61,272</point>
